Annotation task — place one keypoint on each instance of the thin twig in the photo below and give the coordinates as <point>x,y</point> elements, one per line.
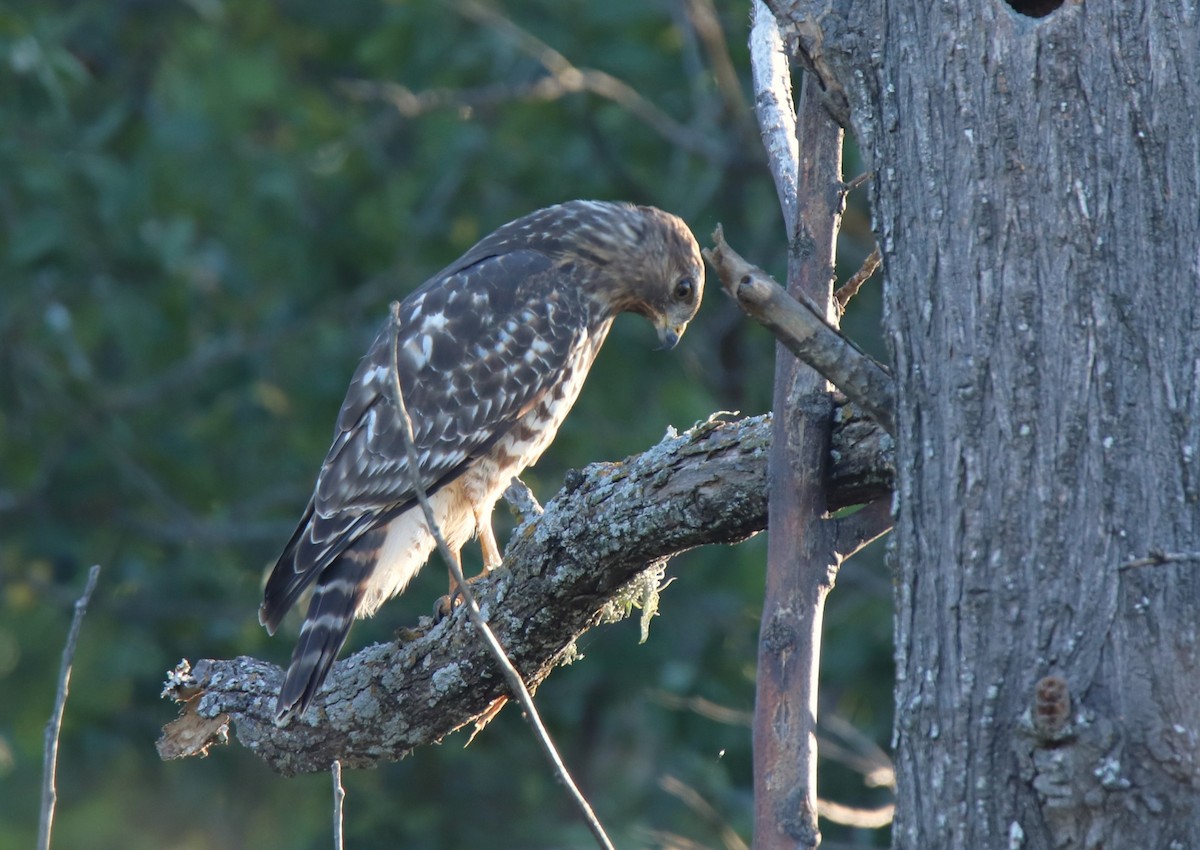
<point>54,727</point>
<point>850,185</point>
<point>565,78</point>
<point>706,23</point>
<point>850,288</point>
<point>705,708</point>
<point>859,753</point>
<point>339,797</point>
<point>515,682</point>
<point>845,744</point>
<point>856,817</point>
<point>1159,558</point>
<point>703,809</point>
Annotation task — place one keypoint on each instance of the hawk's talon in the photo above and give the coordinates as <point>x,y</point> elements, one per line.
<point>444,606</point>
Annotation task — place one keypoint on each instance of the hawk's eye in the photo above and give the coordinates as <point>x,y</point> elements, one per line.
<point>684,289</point>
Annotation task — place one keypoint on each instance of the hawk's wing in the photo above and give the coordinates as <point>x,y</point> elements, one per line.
<point>478,347</point>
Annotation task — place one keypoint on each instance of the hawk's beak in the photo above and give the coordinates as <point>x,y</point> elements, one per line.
<point>669,335</point>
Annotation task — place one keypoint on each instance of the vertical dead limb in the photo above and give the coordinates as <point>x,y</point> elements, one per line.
<point>802,560</point>
<point>54,726</point>
<point>804,550</point>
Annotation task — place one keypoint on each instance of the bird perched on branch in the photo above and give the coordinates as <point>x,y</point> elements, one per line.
<point>492,351</point>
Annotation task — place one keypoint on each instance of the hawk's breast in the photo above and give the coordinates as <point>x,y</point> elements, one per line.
<point>525,441</point>
<point>458,504</point>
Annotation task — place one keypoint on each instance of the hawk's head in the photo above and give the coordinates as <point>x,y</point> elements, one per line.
<point>663,277</point>
<point>627,258</point>
<point>646,261</point>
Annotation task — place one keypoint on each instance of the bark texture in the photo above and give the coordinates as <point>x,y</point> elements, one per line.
<point>1037,202</point>
<point>564,569</point>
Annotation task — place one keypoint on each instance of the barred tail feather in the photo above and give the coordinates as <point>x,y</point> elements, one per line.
<point>315,543</point>
<point>286,583</point>
<point>335,602</point>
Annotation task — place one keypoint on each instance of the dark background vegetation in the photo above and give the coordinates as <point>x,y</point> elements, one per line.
<point>205,208</point>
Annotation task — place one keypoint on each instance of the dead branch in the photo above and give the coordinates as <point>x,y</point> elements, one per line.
<point>609,524</point>
<point>803,329</point>
<point>702,810</point>
<point>339,800</point>
<point>802,561</point>
<point>852,816</point>
<point>704,21</point>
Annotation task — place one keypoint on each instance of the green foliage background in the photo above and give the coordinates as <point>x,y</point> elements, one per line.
<point>205,208</point>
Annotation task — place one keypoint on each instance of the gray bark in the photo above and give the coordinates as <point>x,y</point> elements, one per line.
<point>609,525</point>
<point>1037,203</point>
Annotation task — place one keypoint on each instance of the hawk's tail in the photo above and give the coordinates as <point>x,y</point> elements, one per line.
<point>286,582</point>
<point>330,614</point>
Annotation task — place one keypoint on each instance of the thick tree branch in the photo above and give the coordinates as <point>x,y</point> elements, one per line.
<point>609,525</point>
<point>803,329</point>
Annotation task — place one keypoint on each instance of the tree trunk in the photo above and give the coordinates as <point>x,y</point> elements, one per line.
<point>1038,206</point>
<point>1037,202</point>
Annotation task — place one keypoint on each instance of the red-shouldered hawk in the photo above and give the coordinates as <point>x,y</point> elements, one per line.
<point>493,351</point>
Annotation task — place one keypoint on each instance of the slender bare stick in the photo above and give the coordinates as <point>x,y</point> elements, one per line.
<point>339,797</point>
<point>703,809</point>
<point>876,818</point>
<point>566,77</point>
<point>858,182</point>
<point>515,682</point>
<point>850,288</point>
<point>54,727</point>
<point>1159,557</point>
